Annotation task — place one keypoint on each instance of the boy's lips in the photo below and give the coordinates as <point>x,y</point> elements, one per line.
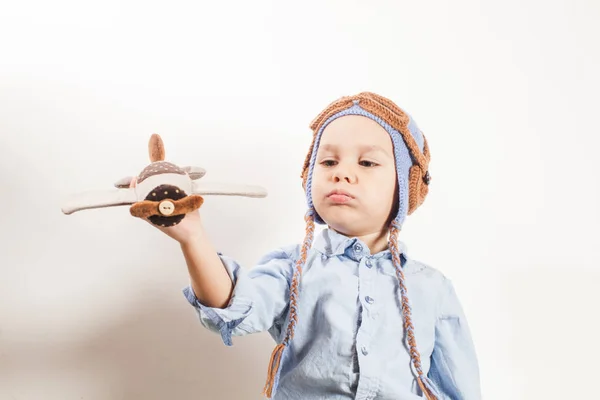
<point>339,196</point>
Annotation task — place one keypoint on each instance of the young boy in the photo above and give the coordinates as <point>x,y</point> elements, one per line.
<point>338,306</point>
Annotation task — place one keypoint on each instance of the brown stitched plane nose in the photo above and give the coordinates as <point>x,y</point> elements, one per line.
<point>166,205</point>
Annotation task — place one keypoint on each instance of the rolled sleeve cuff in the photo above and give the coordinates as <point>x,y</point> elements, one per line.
<point>223,320</point>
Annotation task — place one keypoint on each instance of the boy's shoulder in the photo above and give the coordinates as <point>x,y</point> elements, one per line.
<point>425,271</point>
<point>285,252</point>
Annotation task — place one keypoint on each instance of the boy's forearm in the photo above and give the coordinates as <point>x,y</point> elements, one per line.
<point>209,278</point>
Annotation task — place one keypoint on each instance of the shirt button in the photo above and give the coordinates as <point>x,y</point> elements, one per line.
<point>369,299</point>
<point>358,248</point>
<point>369,263</point>
<point>364,350</point>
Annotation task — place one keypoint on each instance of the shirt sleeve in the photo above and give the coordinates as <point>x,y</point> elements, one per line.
<point>259,299</point>
<point>454,365</point>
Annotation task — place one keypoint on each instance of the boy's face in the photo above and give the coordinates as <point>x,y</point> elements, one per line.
<point>356,159</point>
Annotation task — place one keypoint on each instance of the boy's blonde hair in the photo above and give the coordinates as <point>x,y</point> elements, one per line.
<point>412,157</point>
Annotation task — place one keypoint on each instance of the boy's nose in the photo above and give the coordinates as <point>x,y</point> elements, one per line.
<point>343,174</point>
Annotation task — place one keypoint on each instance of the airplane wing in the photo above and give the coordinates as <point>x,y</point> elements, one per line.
<point>201,187</point>
<point>98,199</point>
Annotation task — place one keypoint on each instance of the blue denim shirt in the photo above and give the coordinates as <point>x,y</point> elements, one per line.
<point>349,341</point>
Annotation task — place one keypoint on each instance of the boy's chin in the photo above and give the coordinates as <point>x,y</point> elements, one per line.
<point>346,223</point>
<point>350,222</point>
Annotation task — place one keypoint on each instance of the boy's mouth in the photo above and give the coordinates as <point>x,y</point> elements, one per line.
<point>339,196</point>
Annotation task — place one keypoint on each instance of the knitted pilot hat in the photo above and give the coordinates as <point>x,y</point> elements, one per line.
<point>412,157</point>
<point>410,147</point>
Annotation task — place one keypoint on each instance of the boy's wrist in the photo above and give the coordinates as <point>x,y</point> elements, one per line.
<point>192,238</point>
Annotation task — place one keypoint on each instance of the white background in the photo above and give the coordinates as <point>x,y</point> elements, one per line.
<point>506,93</point>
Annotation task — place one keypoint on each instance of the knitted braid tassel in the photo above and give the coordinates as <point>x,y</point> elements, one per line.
<point>280,349</point>
<point>424,383</point>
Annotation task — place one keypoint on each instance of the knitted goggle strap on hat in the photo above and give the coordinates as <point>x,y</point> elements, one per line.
<point>280,350</point>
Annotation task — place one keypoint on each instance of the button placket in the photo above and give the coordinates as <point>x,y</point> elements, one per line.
<point>367,364</point>
<point>370,320</point>
<point>367,287</point>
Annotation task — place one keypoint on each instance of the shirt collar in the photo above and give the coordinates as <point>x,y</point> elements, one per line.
<point>332,243</point>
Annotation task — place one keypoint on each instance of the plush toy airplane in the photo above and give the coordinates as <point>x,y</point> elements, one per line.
<point>163,192</point>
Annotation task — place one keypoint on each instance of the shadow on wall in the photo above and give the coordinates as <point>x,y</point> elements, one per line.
<point>156,350</point>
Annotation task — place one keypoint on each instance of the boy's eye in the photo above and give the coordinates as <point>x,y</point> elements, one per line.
<point>328,163</point>
<point>368,163</point>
